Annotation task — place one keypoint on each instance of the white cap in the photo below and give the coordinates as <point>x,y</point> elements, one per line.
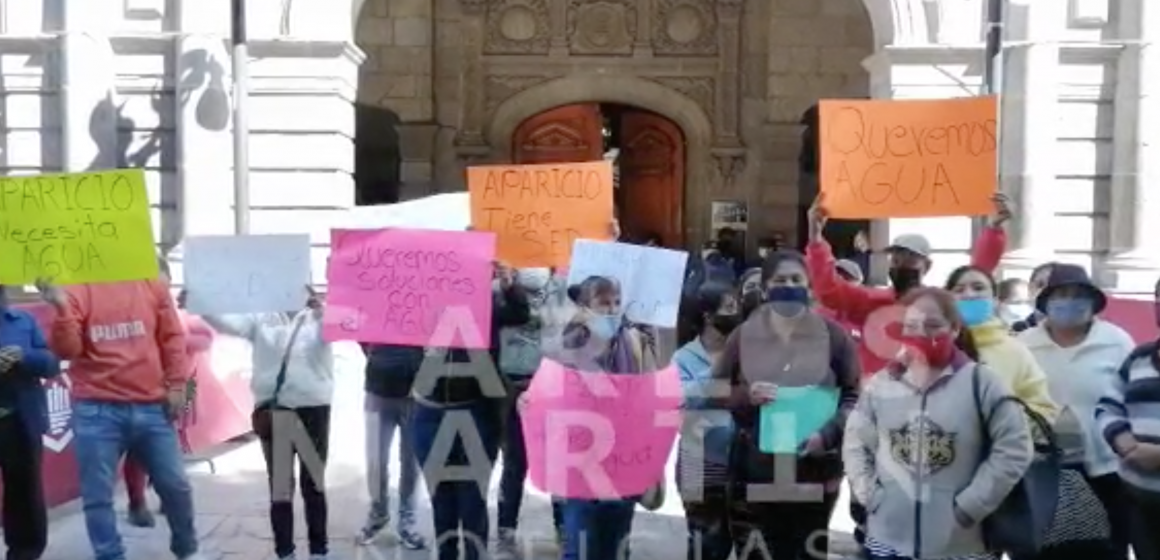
<point>913,242</point>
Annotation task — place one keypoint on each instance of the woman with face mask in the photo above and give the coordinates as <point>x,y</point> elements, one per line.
<point>1082,356</point>
<point>916,453</point>
<point>974,292</point>
<point>751,290</point>
<point>598,339</point>
<point>1031,316</point>
<point>785,343</point>
<point>703,451</point>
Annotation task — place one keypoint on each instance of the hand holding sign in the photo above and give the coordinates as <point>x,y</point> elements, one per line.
<point>817,218</point>
<point>1003,210</point>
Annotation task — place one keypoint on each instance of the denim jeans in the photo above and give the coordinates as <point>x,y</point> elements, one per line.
<point>105,432</point>
<point>383,418</point>
<point>453,438</point>
<point>515,471</point>
<point>597,529</point>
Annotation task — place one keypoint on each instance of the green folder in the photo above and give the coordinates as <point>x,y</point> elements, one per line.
<point>796,414</point>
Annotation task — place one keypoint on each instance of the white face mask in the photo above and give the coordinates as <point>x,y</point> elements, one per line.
<point>534,279</point>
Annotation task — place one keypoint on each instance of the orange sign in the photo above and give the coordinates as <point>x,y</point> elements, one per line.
<point>537,211</point>
<point>897,159</point>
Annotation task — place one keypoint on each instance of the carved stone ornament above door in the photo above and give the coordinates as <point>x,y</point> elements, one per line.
<point>684,28</point>
<point>598,27</point>
<point>518,27</point>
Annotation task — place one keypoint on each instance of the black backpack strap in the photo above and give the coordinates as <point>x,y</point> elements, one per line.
<point>281,379</point>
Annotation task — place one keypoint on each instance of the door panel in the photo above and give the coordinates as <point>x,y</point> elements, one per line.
<point>652,176</point>
<point>568,134</point>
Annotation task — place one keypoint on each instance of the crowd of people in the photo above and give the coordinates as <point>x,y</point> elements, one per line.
<point>947,397</point>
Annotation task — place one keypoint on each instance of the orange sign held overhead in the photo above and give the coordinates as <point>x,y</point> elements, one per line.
<point>537,211</point>
<point>895,159</point>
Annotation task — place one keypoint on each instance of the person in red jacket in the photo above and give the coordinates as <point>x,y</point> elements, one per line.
<point>198,340</point>
<point>910,260</point>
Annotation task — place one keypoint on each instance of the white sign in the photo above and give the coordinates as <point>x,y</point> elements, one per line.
<point>446,212</point>
<point>228,274</point>
<point>650,278</point>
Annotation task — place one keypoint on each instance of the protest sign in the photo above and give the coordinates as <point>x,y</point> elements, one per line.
<point>393,286</point>
<point>596,435</point>
<point>650,278</point>
<point>246,273</point>
<point>912,158</point>
<point>796,414</point>
<point>447,212</point>
<point>76,228</point>
<point>539,210</point>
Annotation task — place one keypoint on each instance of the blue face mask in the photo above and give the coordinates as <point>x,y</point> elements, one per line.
<point>605,326</point>
<point>976,311</point>
<point>788,301</point>
<point>1069,312</point>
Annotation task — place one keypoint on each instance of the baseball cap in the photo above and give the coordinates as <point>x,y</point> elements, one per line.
<point>912,242</point>
<point>850,269</point>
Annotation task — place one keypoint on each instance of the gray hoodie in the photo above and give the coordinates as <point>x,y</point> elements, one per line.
<point>914,456</point>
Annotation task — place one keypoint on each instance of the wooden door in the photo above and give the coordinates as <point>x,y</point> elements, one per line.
<point>652,176</point>
<point>568,134</point>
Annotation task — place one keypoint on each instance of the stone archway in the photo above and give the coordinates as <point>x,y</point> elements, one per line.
<point>625,90</point>
<point>903,22</point>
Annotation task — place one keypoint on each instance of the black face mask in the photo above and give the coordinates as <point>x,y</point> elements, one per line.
<point>726,324</point>
<point>905,279</point>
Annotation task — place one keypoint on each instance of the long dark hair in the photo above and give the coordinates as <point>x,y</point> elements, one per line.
<point>707,301</point>
<point>945,301</point>
<point>958,273</point>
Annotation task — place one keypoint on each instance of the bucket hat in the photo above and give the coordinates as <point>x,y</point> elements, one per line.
<point>1066,275</point>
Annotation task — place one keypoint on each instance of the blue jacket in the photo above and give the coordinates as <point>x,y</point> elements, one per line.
<point>20,387</point>
<point>694,365</point>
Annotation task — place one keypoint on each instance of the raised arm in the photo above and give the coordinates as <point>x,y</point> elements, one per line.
<point>854,301</point>
<point>241,326</point>
<point>992,242</point>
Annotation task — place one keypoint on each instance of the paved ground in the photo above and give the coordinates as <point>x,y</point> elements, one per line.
<point>232,507</point>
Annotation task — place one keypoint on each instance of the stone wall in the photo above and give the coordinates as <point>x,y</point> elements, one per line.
<point>148,86</point>
<point>751,67</point>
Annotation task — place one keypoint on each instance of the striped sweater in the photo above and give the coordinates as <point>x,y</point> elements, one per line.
<point>1136,410</point>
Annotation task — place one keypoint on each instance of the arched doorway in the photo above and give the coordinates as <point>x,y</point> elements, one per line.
<point>647,149</point>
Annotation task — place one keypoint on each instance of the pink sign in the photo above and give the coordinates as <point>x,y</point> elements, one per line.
<point>412,287</point>
<point>598,435</point>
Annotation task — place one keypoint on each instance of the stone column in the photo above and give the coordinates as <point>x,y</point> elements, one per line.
<point>88,98</point>
<point>1134,264</point>
<point>1027,132</point>
<point>204,136</point>
<point>204,131</point>
<point>469,142</point>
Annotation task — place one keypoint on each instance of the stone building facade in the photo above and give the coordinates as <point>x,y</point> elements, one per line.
<point>396,97</point>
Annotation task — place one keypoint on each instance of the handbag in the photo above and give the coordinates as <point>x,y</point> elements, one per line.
<point>1020,526</point>
<point>262,418</point>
